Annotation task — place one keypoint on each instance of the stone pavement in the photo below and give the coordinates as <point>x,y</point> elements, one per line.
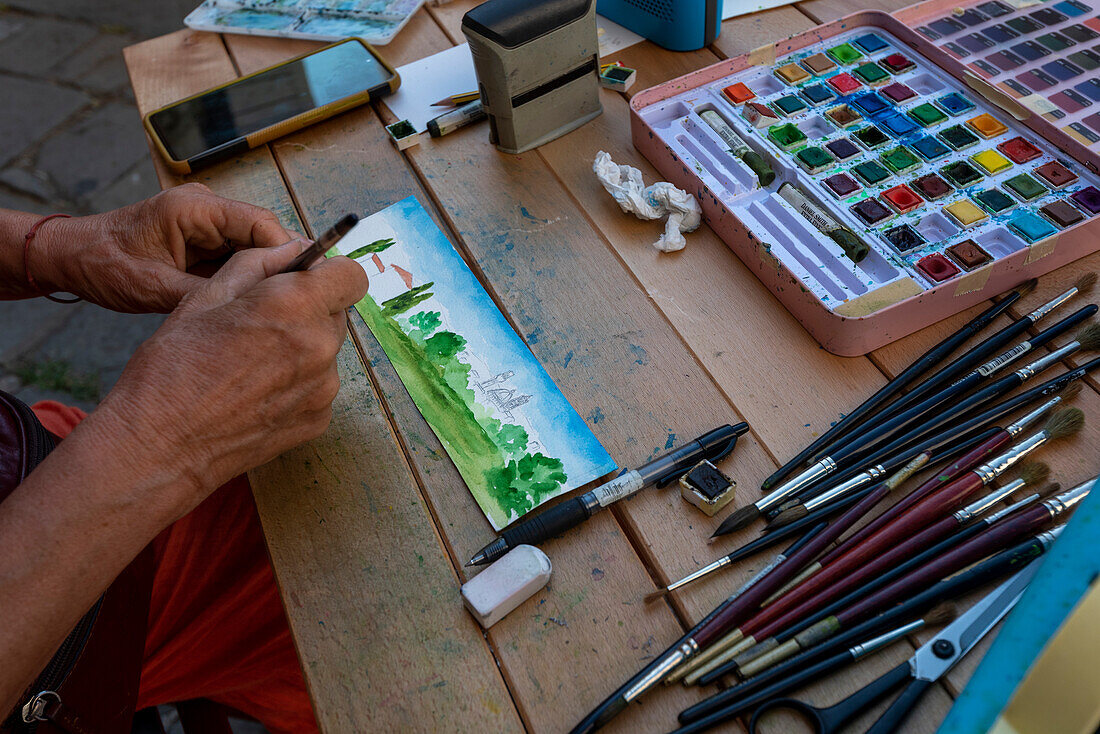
<point>71,141</point>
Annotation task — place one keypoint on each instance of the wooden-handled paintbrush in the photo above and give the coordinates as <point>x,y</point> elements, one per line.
<point>845,628</point>
<point>745,701</point>
<point>1088,338</point>
<point>999,438</point>
<point>828,580</point>
<point>918,529</point>
<point>984,349</point>
<point>922,364</point>
<point>655,671</point>
<point>774,650</point>
<point>774,617</point>
<point>716,638</point>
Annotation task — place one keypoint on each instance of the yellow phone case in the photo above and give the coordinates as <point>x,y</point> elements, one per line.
<point>292,124</point>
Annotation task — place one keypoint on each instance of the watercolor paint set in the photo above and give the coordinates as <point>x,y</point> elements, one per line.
<point>1045,54</point>
<point>872,181</point>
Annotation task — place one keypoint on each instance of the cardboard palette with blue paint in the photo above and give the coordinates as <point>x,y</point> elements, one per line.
<point>512,435</point>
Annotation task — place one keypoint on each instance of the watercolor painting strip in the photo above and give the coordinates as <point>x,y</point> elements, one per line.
<point>515,439</point>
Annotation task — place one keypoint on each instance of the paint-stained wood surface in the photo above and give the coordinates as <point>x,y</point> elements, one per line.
<point>368,527</point>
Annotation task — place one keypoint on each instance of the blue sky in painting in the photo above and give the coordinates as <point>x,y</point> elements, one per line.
<point>424,251</point>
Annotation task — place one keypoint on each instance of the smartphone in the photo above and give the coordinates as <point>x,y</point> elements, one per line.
<point>247,112</point>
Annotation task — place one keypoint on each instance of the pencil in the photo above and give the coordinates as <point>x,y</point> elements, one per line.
<point>456,100</point>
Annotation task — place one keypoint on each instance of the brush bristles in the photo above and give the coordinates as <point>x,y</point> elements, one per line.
<point>1085,282</point>
<point>788,516</point>
<point>1089,337</point>
<point>1028,287</point>
<point>655,595</point>
<point>1064,423</point>
<point>940,614</point>
<point>739,519</point>
<point>1033,472</point>
<point>1070,391</point>
<point>1050,490</point>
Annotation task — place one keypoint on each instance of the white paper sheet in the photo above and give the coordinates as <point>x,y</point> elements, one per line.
<point>734,8</point>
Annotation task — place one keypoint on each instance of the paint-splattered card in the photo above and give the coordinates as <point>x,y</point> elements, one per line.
<point>516,440</point>
<point>375,21</point>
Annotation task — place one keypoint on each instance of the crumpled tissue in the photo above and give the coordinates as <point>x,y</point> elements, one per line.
<point>625,184</point>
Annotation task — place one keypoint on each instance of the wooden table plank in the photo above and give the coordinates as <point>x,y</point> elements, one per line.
<point>744,33</point>
<point>383,641</point>
<point>355,150</point>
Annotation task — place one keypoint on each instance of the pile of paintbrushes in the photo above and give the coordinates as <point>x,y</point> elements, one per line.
<point>835,595</point>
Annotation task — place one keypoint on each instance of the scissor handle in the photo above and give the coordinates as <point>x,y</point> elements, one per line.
<point>832,719</point>
<point>892,717</point>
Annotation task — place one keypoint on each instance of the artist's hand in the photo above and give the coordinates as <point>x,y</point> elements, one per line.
<point>136,259</point>
<point>241,371</point>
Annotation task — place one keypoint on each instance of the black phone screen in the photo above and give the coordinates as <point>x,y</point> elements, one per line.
<point>218,117</point>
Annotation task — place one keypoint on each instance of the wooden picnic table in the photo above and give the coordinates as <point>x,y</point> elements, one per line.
<point>369,526</point>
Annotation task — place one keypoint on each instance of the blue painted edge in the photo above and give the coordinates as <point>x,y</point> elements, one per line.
<point>1068,570</point>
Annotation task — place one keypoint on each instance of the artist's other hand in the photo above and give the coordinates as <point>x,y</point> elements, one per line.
<point>242,370</point>
<point>136,259</point>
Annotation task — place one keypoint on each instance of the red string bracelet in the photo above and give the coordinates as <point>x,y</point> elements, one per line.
<point>27,239</point>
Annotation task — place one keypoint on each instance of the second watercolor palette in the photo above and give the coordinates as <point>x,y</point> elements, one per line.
<point>901,195</point>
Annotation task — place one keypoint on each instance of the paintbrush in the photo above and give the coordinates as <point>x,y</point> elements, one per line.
<point>771,619</point>
<point>742,665</point>
<point>811,589</point>
<point>998,438</point>
<point>892,553</point>
<point>724,561</point>
<point>717,638</point>
<point>829,464</point>
<point>855,628</point>
<point>745,701</point>
<point>655,671</point>
<point>921,365</point>
<point>931,506</point>
<point>1064,386</point>
<point>984,349</point>
<point>1087,338</point>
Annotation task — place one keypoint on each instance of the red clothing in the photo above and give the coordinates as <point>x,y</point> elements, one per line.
<point>217,629</point>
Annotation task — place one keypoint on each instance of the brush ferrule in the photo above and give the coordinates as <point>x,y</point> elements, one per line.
<point>1067,500</point>
<point>1029,370</point>
<point>1004,359</point>
<point>858,651</point>
<point>823,467</point>
<point>1004,512</point>
<point>653,677</point>
<point>723,561</point>
<point>1047,537</point>
<point>858,480</point>
<point>1015,429</point>
<point>990,471</point>
<point>974,509</point>
<point>1051,305</point>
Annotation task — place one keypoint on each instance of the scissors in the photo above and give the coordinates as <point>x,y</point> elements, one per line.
<point>927,665</point>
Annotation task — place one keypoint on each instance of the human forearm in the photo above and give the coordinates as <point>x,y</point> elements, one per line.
<point>13,269</point>
<point>70,528</point>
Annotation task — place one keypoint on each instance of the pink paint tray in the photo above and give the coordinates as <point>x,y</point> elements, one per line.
<point>958,189</point>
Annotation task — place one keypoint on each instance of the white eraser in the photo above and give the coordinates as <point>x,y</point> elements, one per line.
<point>506,584</point>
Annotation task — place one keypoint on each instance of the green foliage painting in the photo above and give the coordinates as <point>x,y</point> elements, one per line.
<point>434,321</point>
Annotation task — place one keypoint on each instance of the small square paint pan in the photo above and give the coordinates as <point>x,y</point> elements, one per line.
<point>904,238</point>
<point>786,136</point>
<point>871,137</point>
<point>871,211</point>
<point>994,200</point>
<point>927,114</point>
<point>991,162</point>
<point>819,64</point>
<point>813,159</point>
<point>1088,200</point>
<point>966,213</point>
<point>789,105</point>
<point>987,125</point>
<point>817,94</point>
<point>902,199</point>
<point>897,92</point>
<point>1019,150</point>
<point>968,254</point>
<point>738,93</point>
<point>958,137</point>
<point>955,104</point>
<point>841,185</point>
<point>1062,213</point>
<point>844,83</point>
<point>900,159</point>
<point>842,148</point>
<point>870,43</point>
<point>871,73</point>
<point>843,116</point>
<point>961,174</point>
<point>870,172</point>
<point>1031,227</point>
<point>1055,175</point>
<point>929,148</point>
<point>792,74</point>
<point>932,187</point>
<point>845,54</point>
<point>937,267</point>
<point>1025,187</point>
